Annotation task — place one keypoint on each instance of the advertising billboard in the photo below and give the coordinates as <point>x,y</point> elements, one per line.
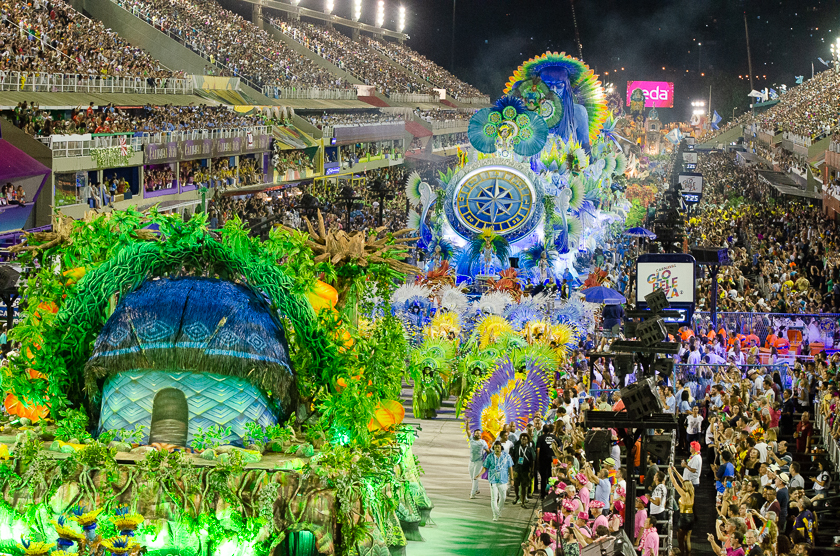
<point>676,279</point>
<point>658,94</point>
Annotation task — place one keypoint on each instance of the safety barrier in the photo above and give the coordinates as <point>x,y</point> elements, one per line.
<point>450,124</point>
<point>474,100</point>
<point>310,93</point>
<point>18,81</point>
<point>698,377</point>
<point>63,146</point>
<point>831,446</point>
<point>414,97</point>
<point>816,330</point>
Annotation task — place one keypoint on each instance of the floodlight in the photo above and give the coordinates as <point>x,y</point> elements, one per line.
<point>328,6</point>
<point>357,10</point>
<point>401,25</point>
<point>380,13</point>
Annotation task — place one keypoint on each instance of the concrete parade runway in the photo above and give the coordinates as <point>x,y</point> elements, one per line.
<point>461,526</point>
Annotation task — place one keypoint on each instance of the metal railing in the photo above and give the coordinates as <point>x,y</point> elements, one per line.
<point>82,147</point>
<point>762,324</point>
<point>449,124</point>
<point>310,93</point>
<point>474,100</point>
<point>18,81</point>
<point>414,97</point>
<point>63,146</point>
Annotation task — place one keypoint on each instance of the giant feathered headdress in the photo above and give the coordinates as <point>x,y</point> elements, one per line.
<point>508,397</point>
<point>538,80</point>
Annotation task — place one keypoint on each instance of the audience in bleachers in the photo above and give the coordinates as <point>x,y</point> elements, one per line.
<point>423,67</point>
<point>51,37</point>
<point>809,110</point>
<point>234,43</point>
<point>336,119</point>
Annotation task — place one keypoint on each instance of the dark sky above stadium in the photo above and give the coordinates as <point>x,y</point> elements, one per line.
<point>640,36</point>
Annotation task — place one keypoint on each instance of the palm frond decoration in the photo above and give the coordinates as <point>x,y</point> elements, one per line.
<point>412,188</point>
<point>500,246</point>
<point>609,166</point>
<point>413,220</point>
<point>620,164</point>
<point>574,229</point>
<point>574,157</point>
<point>490,329</point>
<point>577,188</point>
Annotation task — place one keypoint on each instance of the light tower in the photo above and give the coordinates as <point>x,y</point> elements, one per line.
<point>401,21</point>
<point>380,13</point>
<point>329,5</point>
<point>357,10</point>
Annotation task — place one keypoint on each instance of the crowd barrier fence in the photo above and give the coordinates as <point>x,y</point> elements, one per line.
<point>21,81</point>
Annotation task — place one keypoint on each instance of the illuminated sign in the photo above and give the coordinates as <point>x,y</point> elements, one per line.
<point>690,157</point>
<point>658,94</point>
<point>691,182</point>
<point>691,198</point>
<point>331,171</point>
<point>676,279</point>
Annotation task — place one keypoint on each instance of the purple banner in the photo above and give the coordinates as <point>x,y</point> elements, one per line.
<point>158,153</point>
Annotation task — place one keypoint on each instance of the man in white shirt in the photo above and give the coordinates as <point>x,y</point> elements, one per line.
<point>478,449</point>
<point>659,497</point>
<point>761,446</point>
<point>691,470</point>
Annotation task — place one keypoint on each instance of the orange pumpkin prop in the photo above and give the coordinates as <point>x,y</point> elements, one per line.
<point>32,412</point>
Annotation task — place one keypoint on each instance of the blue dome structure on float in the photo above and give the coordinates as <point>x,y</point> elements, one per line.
<point>179,354</point>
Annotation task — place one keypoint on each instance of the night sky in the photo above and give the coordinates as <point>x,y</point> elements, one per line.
<point>640,36</point>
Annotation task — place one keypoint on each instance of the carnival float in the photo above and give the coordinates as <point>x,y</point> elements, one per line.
<point>182,390</point>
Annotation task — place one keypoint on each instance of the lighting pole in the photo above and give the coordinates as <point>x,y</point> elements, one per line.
<point>452,54</point>
<point>835,53</point>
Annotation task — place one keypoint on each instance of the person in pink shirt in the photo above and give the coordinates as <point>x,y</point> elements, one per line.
<point>641,516</point>
<point>649,541</point>
<point>596,508</point>
<point>583,490</point>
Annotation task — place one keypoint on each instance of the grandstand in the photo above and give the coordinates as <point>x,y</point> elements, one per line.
<point>143,102</point>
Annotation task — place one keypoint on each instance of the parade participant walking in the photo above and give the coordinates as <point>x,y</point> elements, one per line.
<point>478,451</point>
<point>523,461</point>
<point>498,466</point>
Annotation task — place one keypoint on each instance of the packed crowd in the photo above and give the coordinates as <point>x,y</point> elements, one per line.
<point>423,67</point>
<point>285,160</point>
<point>355,57</point>
<point>747,438</point>
<point>447,140</point>
<point>440,115</point>
<point>232,42</point>
<point>358,152</point>
<point>808,110</point>
<point>347,119</point>
<point>293,206</point>
<point>49,36</point>
<point>786,259</point>
<point>110,119</point>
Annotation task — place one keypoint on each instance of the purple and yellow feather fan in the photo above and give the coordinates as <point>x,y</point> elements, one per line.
<point>508,395</point>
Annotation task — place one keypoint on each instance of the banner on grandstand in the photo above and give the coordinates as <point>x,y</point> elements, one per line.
<point>215,83</point>
<point>347,135</point>
<point>173,151</point>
